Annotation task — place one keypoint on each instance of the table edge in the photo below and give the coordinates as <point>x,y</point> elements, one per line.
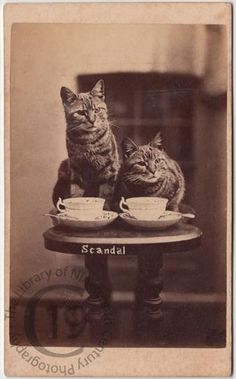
<point>196,234</point>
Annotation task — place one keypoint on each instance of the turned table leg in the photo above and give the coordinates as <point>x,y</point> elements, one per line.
<point>149,285</point>
<point>97,285</point>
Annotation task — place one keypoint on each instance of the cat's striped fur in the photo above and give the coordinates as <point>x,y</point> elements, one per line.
<point>93,158</point>
<point>148,171</point>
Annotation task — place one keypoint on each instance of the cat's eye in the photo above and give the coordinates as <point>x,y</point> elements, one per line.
<point>142,164</point>
<point>97,110</point>
<point>80,113</point>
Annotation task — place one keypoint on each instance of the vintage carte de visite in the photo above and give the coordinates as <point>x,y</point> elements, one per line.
<point>118,189</point>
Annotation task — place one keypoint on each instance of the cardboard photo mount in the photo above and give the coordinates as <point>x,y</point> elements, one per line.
<point>120,361</point>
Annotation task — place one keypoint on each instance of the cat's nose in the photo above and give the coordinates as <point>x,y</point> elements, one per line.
<point>152,168</point>
<point>91,116</point>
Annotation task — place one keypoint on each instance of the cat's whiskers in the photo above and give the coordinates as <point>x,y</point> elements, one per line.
<point>112,124</point>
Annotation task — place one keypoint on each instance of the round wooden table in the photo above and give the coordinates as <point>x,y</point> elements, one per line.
<point>119,239</point>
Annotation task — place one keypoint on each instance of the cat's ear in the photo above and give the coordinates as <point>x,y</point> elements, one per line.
<point>99,89</point>
<point>67,95</point>
<point>157,141</point>
<point>129,147</point>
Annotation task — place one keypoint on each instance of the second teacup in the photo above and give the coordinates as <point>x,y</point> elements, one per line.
<point>144,208</point>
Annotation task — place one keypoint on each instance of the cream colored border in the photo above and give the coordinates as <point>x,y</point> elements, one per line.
<point>126,361</point>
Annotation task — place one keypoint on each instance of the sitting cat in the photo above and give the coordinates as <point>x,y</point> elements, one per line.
<point>93,163</point>
<point>148,171</point>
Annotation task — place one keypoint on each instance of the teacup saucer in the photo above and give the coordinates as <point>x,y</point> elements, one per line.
<point>164,221</point>
<point>98,222</point>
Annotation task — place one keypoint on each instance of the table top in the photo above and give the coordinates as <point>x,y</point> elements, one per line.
<point>180,237</point>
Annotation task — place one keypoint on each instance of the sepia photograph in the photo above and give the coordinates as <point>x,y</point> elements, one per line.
<point>119,192</point>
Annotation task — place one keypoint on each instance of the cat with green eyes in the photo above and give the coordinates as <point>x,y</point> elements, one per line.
<point>92,165</point>
<point>148,171</point>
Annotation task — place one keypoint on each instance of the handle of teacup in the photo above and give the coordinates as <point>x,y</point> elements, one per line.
<point>60,203</point>
<point>122,203</point>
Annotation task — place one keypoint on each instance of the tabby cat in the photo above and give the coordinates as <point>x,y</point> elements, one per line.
<point>148,171</point>
<point>93,163</point>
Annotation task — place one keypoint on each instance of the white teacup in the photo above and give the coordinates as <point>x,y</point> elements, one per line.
<point>144,208</point>
<point>83,208</point>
